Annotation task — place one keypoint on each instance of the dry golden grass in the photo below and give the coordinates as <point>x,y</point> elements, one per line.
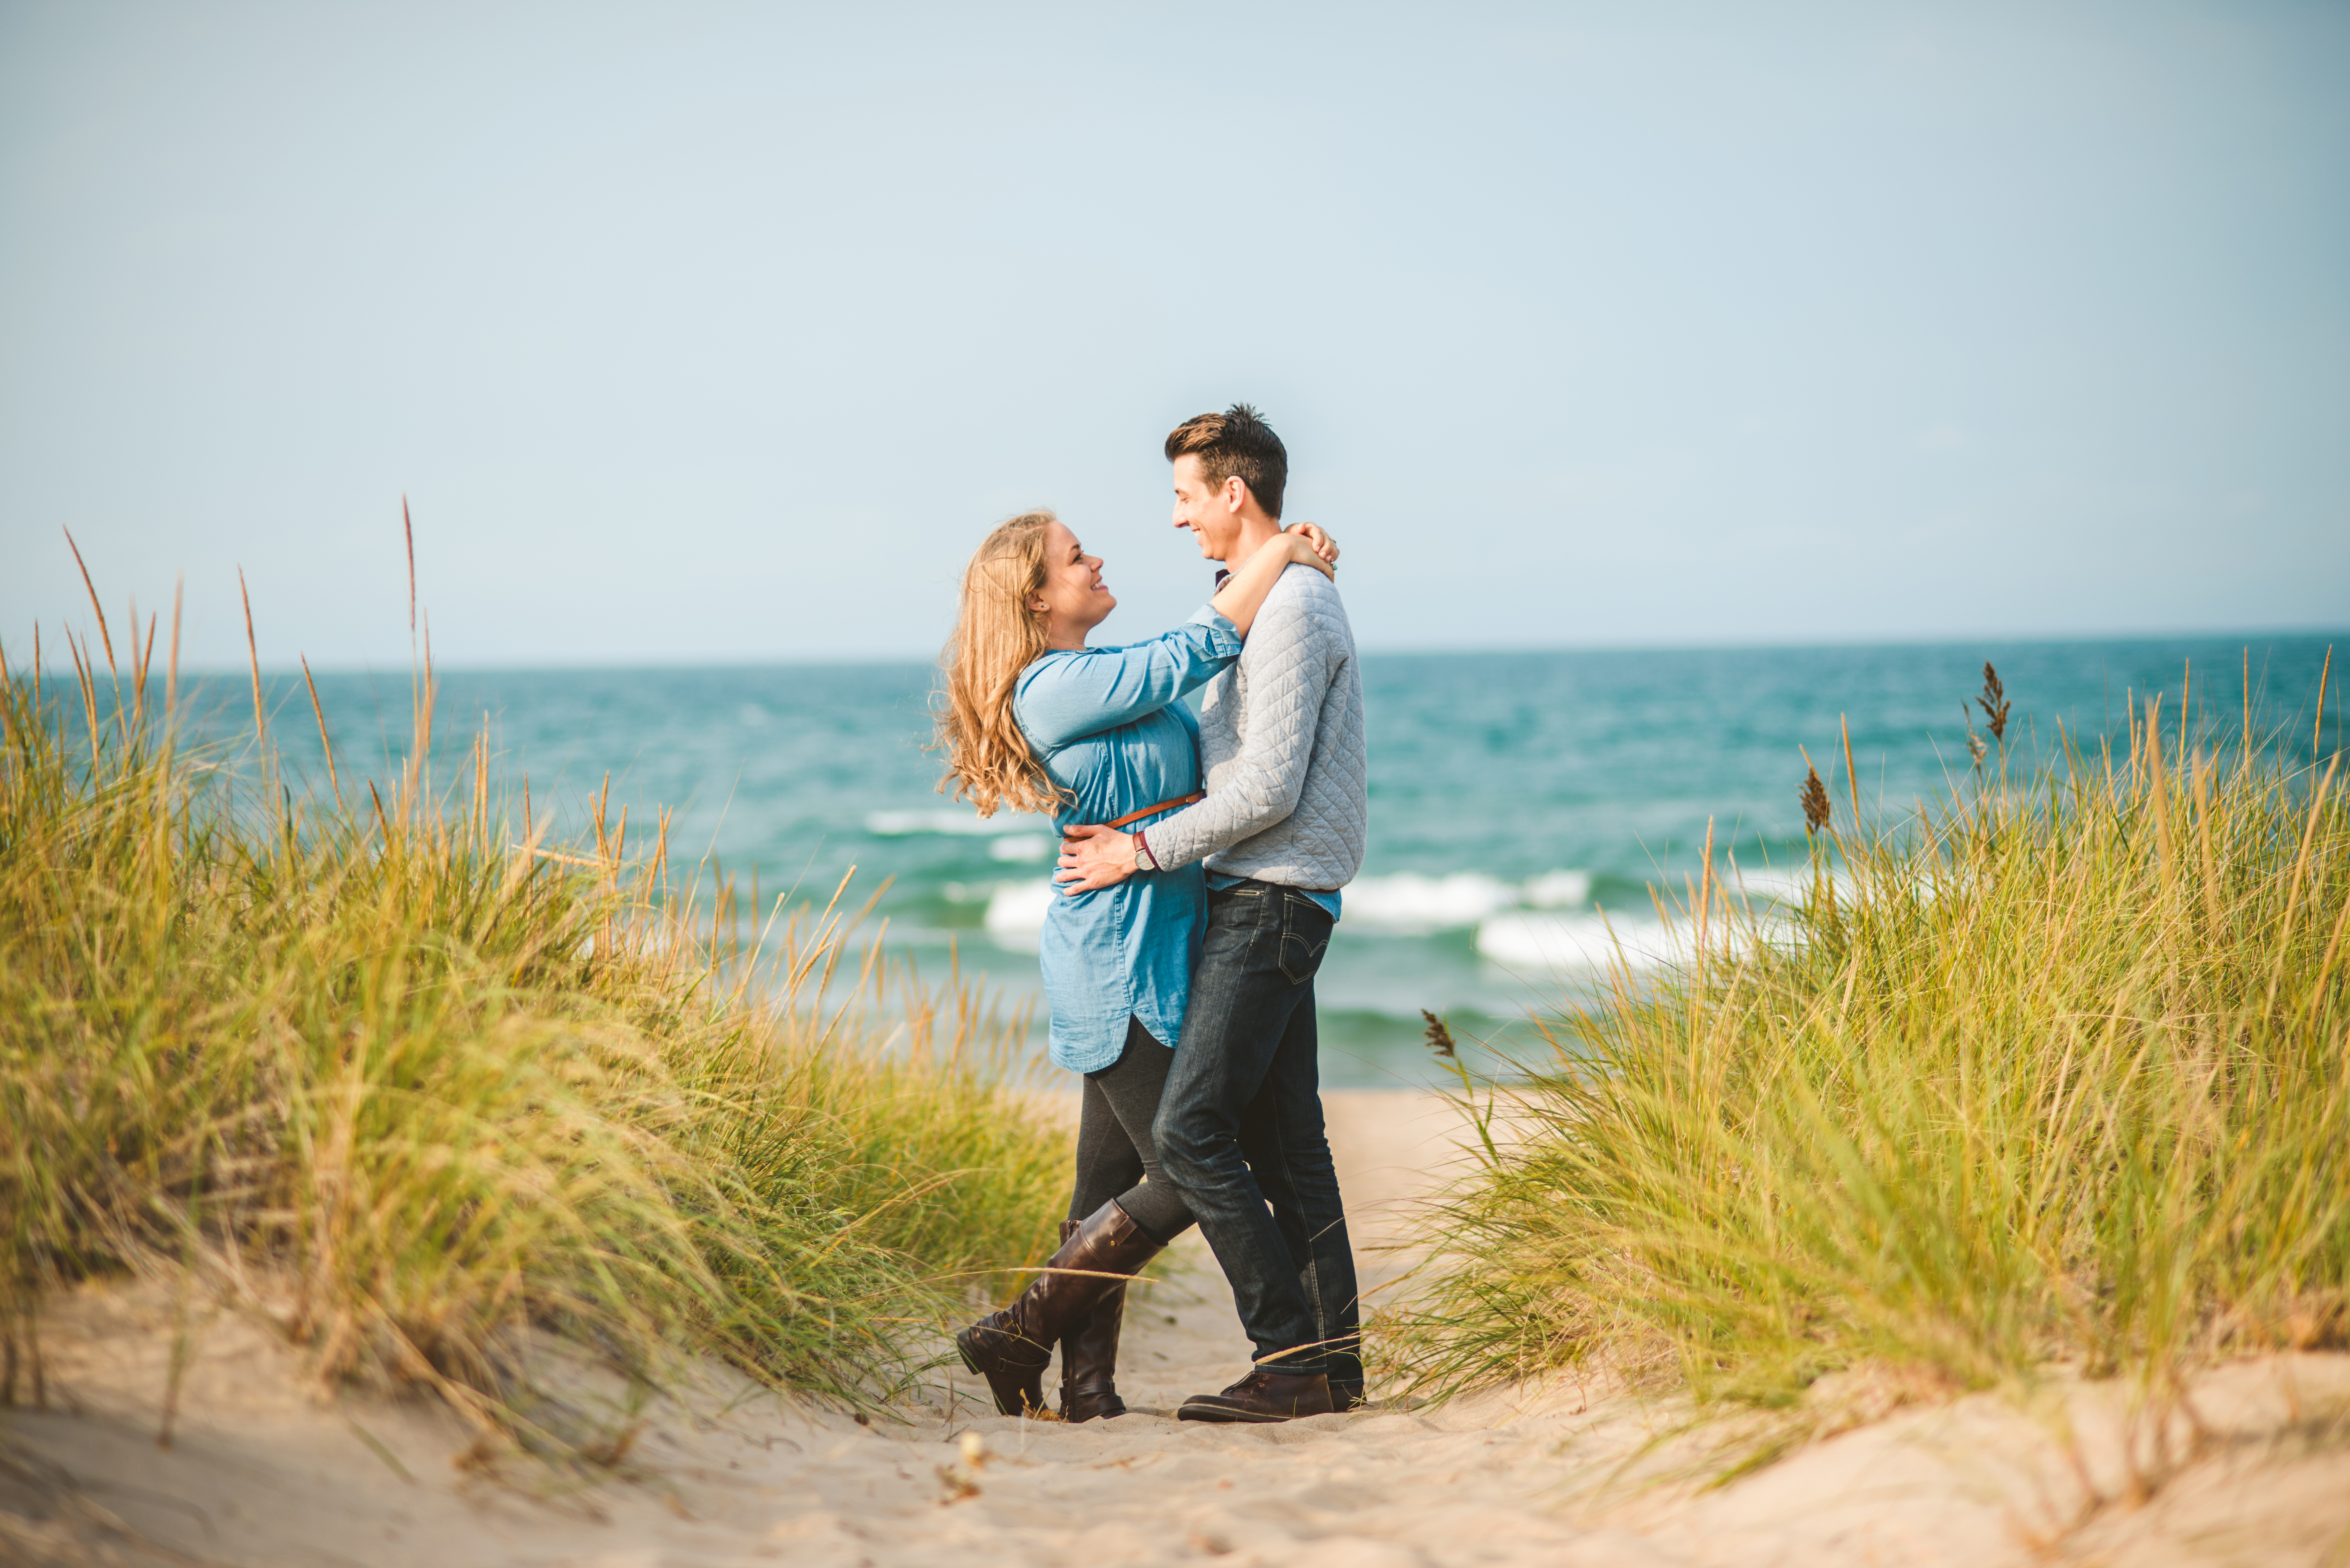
<point>429,1090</point>
<point>2059,1076</point>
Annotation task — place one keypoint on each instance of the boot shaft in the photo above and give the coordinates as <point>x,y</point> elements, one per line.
<point>1011,1347</point>
<point>1089,1357</point>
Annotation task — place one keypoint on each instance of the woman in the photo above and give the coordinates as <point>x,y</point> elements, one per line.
<point>1037,720</point>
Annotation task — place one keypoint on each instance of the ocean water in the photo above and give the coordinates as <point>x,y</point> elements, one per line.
<point>1523,805</point>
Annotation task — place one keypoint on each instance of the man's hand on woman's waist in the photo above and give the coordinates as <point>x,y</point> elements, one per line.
<point>1095,857</point>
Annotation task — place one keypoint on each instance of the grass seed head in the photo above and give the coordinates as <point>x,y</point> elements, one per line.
<point>1439,1037</point>
<point>1817,810</point>
<point>1993,703</point>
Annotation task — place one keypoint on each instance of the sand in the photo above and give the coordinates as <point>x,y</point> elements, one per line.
<point>262,1471</point>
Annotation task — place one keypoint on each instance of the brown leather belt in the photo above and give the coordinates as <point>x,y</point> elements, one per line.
<point>1193,797</point>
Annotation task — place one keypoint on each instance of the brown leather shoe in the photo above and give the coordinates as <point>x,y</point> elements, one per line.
<point>1012,1348</point>
<point>1089,1357</point>
<point>1263,1395</point>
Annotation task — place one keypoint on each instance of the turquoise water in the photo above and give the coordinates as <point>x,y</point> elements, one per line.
<point>1515,797</point>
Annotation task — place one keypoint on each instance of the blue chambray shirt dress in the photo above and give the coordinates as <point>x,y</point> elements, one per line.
<point>1110,728</point>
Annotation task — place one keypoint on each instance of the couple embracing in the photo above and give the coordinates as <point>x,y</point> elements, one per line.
<point>1201,864</point>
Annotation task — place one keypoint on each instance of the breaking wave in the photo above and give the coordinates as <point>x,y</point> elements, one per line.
<point>899,823</point>
<point>1536,926</point>
<point>1404,902</point>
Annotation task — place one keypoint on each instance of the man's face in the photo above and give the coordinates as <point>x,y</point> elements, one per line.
<point>1212,514</point>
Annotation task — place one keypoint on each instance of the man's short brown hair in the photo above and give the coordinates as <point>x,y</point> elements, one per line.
<point>1236,441</point>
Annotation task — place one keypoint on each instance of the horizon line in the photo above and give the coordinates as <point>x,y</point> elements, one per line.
<point>502,667</point>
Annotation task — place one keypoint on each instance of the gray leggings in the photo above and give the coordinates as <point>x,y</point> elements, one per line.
<point>1116,1157</point>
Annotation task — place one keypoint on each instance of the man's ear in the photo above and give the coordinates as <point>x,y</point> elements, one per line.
<point>1236,492</point>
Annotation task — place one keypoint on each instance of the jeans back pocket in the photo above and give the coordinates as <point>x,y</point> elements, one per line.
<point>1304,937</point>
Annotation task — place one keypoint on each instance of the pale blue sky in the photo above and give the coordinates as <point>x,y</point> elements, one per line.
<point>720,333</point>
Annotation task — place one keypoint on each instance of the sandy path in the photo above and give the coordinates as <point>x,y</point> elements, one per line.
<point>261,1474</point>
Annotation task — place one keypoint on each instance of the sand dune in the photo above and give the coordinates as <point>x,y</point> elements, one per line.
<point>264,1473</point>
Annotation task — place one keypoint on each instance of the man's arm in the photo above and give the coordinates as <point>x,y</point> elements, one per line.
<point>1297,656</point>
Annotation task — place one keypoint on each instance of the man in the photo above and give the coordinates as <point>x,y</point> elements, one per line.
<point>1280,831</point>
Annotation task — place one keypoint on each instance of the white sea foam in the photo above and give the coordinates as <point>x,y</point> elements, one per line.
<point>898,823</point>
<point>1558,889</point>
<point>1016,913</point>
<point>1764,885</point>
<point>1528,925</point>
<point>1408,902</point>
<point>1413,901</point>
<point>1021,847</point>
<point>1589,944</point>
<point>1575,944</point>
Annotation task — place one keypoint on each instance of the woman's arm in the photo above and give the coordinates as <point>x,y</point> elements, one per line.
<point>1065,696</point>
<point>1244,592</point>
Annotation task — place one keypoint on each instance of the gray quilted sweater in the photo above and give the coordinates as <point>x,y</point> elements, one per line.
<point>1280,742</point>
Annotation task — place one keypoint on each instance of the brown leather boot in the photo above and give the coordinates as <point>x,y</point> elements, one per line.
<point>1262,1396</point>
<point>1012,1348</point>
<point>1089,1357</point>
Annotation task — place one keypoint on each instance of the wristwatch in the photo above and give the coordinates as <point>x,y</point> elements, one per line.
<point>1141,855</point>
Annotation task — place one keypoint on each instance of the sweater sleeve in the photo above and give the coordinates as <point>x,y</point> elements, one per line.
<point>1291,661</point>
<point>1066,696</point>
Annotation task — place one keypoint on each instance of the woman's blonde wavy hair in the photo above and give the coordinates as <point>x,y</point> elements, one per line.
<point>996,636</point>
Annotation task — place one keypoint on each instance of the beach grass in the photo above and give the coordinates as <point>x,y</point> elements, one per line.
<point>2055,1076</point>
<point>443,1097</point>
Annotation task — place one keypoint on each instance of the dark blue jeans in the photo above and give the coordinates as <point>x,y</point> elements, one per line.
<point>1240,1127</point>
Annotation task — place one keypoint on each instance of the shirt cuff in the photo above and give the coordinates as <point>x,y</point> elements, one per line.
<point>1227,638</point>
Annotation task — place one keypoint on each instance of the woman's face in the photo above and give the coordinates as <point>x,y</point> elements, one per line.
<point>1071,601</point>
